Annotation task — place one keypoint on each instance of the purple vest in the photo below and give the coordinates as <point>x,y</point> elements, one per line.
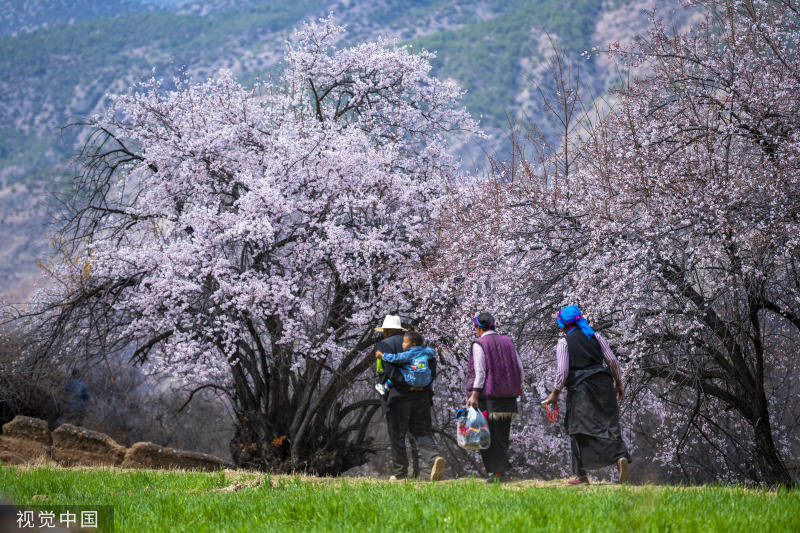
<point>502,371</point>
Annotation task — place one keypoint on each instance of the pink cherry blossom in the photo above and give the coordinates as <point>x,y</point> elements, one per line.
<point>245,239</point>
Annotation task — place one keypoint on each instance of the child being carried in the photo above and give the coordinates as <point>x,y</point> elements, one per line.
<point>413,362</point>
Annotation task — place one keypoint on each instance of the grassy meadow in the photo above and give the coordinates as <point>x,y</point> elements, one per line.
<point>229,501</point>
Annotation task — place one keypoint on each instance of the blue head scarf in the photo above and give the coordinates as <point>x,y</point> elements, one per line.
<point>571,315</point>
<point>488,321</point>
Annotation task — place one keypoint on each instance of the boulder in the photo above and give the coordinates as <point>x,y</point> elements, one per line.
<point>150,455</point>
<point>25,440</point>
<point>73,445</point>
<point>28,428</point>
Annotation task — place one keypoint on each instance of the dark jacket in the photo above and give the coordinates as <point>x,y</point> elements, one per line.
<point>77,395</point>
<point>400,390</point>
<point>393,344</point>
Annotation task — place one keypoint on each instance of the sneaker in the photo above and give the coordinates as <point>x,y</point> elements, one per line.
<point>622,469</point>
<point>579,481</point>
<point>381,389</point>
<point>437,470</point>
<point>396,478</point>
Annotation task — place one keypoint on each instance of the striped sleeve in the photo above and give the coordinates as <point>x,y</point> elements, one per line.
<point>610,359</point>
<point>562,361</point>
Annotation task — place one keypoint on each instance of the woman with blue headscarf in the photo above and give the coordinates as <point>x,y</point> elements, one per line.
<point>592,418</point>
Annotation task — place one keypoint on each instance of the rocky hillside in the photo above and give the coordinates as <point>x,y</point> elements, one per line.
<point>59,59</point>
<point>18,17</point>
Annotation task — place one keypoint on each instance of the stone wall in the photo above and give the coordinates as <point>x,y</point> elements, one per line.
<point>27,440</point>
<point>149,455</point>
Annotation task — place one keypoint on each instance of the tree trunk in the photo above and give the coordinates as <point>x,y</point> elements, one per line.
<point>773,470</point>
<point>288,436</point>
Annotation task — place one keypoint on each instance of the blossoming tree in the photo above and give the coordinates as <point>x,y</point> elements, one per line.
<point>678,234</point>
<point>697,203</point>
<point>243,240</point>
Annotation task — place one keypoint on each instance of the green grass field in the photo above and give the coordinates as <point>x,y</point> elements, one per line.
<point>146,500</point>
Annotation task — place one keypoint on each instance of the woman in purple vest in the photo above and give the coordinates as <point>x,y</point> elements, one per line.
<point>592,418</point>
<point>494,378</point>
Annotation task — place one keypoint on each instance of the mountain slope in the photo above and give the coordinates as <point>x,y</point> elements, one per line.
<point>67,55</point>
<point>21,17</point>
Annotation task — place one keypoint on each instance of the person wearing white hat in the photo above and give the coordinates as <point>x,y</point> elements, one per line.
<point>392,325</point>
<point>407,409</point>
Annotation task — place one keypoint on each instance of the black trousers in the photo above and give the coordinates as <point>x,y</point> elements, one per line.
<point>411,416</point>
<point>495,457</point>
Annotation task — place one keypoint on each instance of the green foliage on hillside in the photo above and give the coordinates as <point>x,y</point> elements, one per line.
<point>146,500</point>
<point>56,75</point>
<point>24,148</point>
<point>45,67</point>
<point>17,16</point>
<point>485,56</point>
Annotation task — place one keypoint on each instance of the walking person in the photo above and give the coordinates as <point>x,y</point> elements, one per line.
<point>494,380</point>
<point>592,418</point>
<point>407,408</point>
<point>77,396</point>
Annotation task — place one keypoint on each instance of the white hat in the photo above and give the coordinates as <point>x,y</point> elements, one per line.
<point>391,322</point>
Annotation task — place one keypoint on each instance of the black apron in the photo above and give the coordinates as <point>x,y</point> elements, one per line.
<point>592,417</point>
<point>592,404</point>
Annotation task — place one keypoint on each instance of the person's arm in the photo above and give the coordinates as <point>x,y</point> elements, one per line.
<point>612,363</point>
<point>398,358</point>
<point>479,364</point>
<point>562,370</point>
<point>562,365</point>
<point>521,372</point>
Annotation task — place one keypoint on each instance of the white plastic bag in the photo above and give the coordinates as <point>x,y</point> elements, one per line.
<point>473,430</point>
